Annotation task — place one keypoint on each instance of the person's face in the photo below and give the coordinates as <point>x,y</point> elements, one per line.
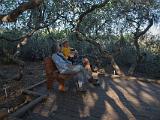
<point>66,44</point>
<point>85,60</point>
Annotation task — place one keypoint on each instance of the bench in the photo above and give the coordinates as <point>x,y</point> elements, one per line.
<point>52,74</point>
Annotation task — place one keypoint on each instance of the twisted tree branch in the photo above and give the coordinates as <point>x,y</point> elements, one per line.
<point>13,15</point>
<point>104,53</point>
<point>91,9</point>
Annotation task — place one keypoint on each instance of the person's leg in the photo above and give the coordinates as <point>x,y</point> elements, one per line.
<point>80,74</point>
<point>73,69</point>
<point>79,78</point>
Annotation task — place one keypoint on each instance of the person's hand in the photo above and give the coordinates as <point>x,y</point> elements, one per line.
<point>72,54</point>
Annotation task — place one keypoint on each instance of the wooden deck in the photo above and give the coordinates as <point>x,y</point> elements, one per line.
<point>113,100</point>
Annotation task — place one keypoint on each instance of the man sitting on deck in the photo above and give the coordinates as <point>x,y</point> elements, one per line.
<point>65,67</point>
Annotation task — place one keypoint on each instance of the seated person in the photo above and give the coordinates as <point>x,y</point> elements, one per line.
<point>89,69</point>
<point>65,67</point>
<point>68,52</point>
<point>86,64</point>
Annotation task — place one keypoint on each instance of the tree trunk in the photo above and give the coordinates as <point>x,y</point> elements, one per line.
<point>137,35</point>
<point>116,67</point>
<point>77,29</point>
<point>104,54</point>
<point>134,65</point>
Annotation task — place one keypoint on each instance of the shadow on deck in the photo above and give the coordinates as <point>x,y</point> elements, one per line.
<point>113,100</point>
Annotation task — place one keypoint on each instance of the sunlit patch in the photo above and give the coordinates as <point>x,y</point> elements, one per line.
<point>131,95</point>
<point>116,78</point>
<point>131,91</point>
<point>89,102</point>
<point>24,41</point>
<point>85,112</point>
<point>131,78</point>
<point>18,46</point>
<point>109,113</point>
<point>142,83</point>
<point>121,101</point>
<point>148,98</point>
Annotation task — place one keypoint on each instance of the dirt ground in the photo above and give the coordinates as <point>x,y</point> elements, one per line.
<point>33,72</point>
<point>115,99</point>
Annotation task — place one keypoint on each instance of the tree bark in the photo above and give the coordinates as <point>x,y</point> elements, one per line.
<point>137,35</point>
<point>13,15</point>
<point>104,54</point>
<point>91,9</point>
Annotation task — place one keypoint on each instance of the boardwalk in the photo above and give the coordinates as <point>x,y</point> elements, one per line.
<point>113,100</point>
